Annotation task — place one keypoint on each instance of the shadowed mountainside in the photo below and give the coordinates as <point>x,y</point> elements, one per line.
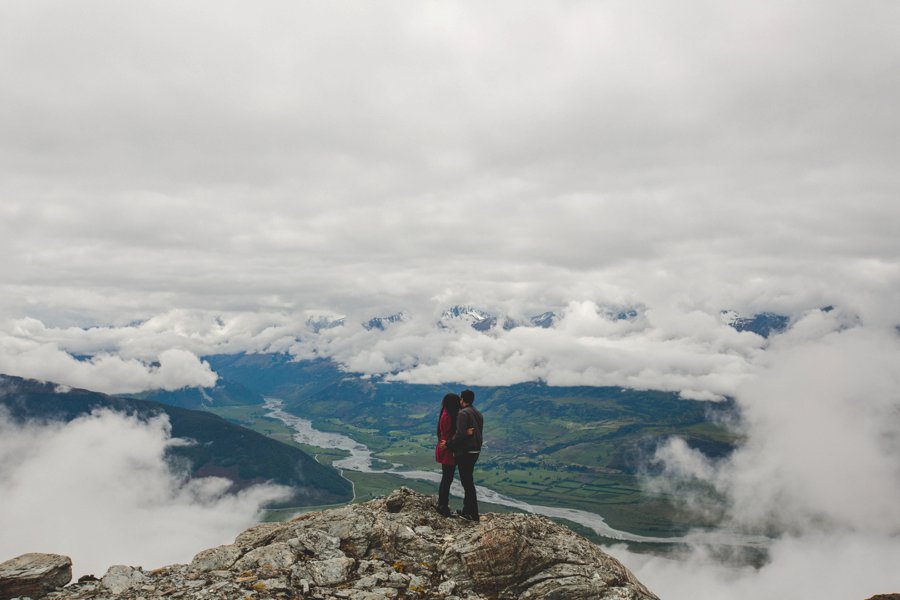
<point>222,448</point>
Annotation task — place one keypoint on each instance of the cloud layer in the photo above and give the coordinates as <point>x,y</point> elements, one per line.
<point>823,438</point>
<point>819,471</point>
<point>95,485</point>
<point>356,158</point>
<point>695,354</point>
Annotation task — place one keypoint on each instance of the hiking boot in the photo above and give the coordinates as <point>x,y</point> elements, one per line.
<point>443,510</point>
<point>467,516</point>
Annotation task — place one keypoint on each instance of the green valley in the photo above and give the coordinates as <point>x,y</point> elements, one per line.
<point>577,447</point>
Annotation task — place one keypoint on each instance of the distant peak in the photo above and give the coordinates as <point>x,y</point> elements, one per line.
<point>478,319</point>
<point>321,322</point>
<point>382,323</point>
<point>764,324</point>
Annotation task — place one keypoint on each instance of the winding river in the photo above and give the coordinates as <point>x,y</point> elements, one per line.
<point>360,459</point>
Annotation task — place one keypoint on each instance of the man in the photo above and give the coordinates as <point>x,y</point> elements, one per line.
<point>466,447</point>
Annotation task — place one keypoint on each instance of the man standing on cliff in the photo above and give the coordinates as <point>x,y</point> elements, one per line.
<point>466,447</point>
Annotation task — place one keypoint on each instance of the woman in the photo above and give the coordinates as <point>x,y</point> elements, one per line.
<point>445,430</point>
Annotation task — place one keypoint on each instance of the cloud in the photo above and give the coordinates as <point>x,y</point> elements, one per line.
<point>818,471</point>
<point>96,484</point>
<point>287,157</point>
<point>695,354</point>
<point>830,567</point>
<point>24,354</point>
<point>690,351</point>
<point>821,421</point>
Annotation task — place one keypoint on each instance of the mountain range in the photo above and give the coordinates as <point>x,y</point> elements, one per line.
<point>764,324</point>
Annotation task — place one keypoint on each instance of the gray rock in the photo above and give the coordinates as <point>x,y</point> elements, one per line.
<point>330,572</point>
<point>215,559</point>
<point>447,587</point>
<point>119,578</point>
<point>278,555</point>
<point>393,547</point>
<point>34,575</point>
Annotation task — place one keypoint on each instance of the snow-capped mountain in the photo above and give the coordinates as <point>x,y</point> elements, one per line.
<point>320,322</point>
<point>764,323</point>
<point>381,323</point>
<point>478,319</point>
<point>621,314</point>
<point>545,320</point>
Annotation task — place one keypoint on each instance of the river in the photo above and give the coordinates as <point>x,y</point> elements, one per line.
<point>360,459</point>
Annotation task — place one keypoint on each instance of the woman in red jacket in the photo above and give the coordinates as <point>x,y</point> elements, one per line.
<point>445,430</point>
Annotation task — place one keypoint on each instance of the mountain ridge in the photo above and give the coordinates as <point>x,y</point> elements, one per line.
<point>241,455</point>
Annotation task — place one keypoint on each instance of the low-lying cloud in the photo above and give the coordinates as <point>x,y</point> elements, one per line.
<point>821,566</point>
<point>819,470</point>
<point>24,353</point>
<point>694,353</point>
<point>91,487</point>
<point>691,352</point>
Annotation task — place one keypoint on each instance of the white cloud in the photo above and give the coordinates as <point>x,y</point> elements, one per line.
<point>96,484</point>
<point>818,469</point>
<point>693,353</point>
<point>350,158</point>
<point>824,566</point>
<point>821,420</point>
<point>25,354</point>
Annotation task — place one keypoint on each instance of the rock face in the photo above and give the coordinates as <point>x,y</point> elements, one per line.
<point>34,575</point>
<point>394,547</point>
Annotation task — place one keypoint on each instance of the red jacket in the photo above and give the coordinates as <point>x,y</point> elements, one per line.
<point>444,455</point>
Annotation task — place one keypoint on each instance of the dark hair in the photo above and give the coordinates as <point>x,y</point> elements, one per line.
<point>450,405</point>
<point>468,396</point>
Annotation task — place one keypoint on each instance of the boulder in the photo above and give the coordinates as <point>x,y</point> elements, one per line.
<point>122,577</point>
<point>34,575</point>
<point>393,547</point>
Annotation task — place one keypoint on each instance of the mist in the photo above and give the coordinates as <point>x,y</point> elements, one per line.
<point>819,472</point>
<point>99,490</point>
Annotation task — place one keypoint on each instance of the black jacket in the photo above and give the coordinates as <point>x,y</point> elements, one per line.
<point>461,442</point>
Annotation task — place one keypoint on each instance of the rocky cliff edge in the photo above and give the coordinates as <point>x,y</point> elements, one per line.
<point>393,547</point>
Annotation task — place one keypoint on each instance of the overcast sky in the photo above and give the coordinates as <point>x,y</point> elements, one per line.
<point>183,179</point>
<point>196,164</point>
<point>370,157</point>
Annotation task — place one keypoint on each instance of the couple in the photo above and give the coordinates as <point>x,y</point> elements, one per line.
<point>459,444</point>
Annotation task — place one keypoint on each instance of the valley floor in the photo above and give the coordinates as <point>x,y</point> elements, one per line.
<point>536,485</point>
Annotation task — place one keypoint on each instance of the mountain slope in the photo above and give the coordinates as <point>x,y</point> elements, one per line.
<point>224,393</point>
<point>223,449</point>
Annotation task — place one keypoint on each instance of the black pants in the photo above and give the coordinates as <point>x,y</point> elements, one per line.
<point>466,464</point>
<point>446,480</point>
